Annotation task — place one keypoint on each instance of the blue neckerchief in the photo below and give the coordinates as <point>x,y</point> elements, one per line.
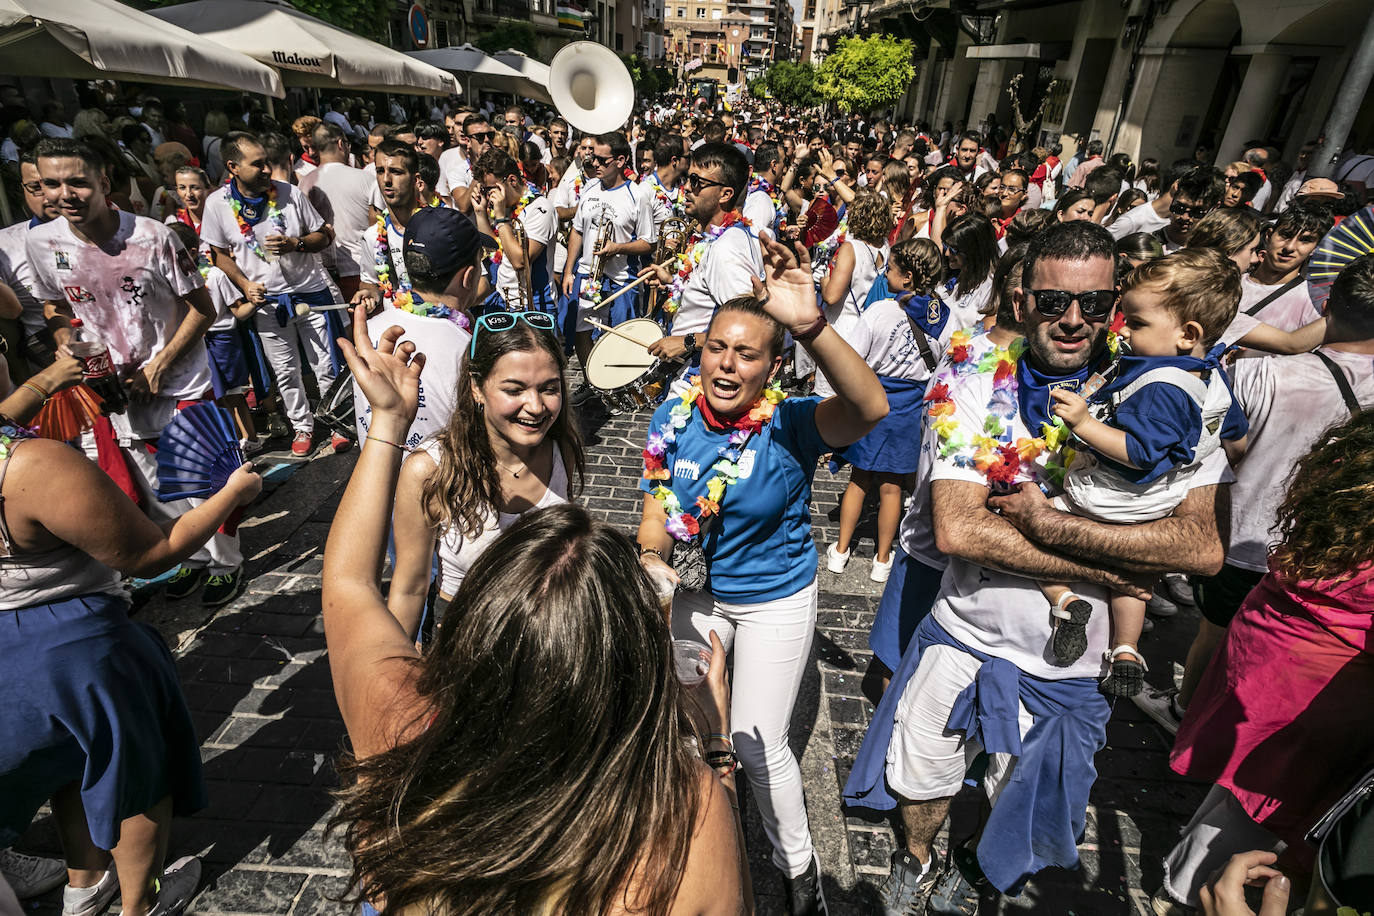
<point>1033,389</point>
<point>929,312</point>
<point>252,209</point>
<point>1129,367</point>
<point>34,221</point>
<point>1040,815</point>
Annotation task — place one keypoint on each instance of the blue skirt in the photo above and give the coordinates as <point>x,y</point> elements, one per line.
<point>894,445</point>
<point>228,367</point>
<point>91,697</point>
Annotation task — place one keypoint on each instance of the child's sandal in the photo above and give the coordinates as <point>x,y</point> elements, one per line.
<point>1128,674</point>
<point>1071,628</point>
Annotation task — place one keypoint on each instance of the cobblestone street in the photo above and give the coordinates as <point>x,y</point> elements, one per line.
<point>257,679</point>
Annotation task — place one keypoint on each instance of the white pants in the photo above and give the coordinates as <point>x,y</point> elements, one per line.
<point>281,344</point>
<point>925,760</point>
<point>221,554</point>
<point>772,645</point>
<point>1219,829</point>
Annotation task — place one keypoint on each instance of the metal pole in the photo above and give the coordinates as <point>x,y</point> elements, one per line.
<point>1346,105</point>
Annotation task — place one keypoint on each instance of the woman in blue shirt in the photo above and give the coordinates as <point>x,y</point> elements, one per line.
<point>728,466</point>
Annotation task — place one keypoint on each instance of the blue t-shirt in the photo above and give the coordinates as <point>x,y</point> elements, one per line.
<point>1161,421</point>
<point>760,547</point>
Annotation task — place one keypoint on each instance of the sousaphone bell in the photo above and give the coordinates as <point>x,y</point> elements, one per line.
<point>591,88</point>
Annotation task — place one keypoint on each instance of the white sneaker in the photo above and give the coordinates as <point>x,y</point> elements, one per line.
<point>31,876</point>
<point>1160,606</point>
<point>880,570</point>
<point>176,887</point>
<point>91,901</point>
<point>1179,589</point>
<point>1162,706</point>
<point>250,447</point>
<point>834,560</point>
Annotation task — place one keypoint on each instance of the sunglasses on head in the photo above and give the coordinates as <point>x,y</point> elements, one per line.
<point>1095,304</point>
<point>1178,208</point>
<point>697,181</point>
<point>482,135</point>
<point>496,322</point>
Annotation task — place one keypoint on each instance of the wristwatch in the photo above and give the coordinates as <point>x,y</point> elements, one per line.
<point>690,342</point>
<point>300,243</point>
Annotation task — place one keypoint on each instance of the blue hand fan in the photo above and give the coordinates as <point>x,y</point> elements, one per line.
<point>197,452</point>
<point>1352,239</point>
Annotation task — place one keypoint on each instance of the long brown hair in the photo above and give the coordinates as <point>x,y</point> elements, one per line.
<point>1324,519</point>
<point>466,487</point>
<point>550,772</point>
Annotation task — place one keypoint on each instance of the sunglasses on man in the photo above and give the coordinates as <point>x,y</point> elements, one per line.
<point>1178,208</point>
<point>482,135</point>
<point>697,181</point>
<point>603,160</point>
<point>1095,304</point>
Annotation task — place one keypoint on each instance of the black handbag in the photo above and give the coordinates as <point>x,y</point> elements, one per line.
<point>688,558</point>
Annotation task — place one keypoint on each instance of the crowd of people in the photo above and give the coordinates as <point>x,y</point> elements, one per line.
<point>1081,391</point>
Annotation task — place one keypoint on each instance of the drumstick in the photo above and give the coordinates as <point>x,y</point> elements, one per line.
<point>621,334</point>
<point>629,365</point>
<point>625,289</point>
<point>305,308</point>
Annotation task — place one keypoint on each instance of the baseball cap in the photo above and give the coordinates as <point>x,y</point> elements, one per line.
<point>448,238</point>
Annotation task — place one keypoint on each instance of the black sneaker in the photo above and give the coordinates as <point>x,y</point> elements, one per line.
<point>223,588</point>
<point>185,581</point>
<point>905,891</point>
<point>804,894</point>
<point>582,394</point>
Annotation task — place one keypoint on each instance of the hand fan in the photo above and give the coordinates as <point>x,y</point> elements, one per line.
<point>819,222</point>
<point>197,452</point>
<point>1352,238</point>
<point>68,414</point>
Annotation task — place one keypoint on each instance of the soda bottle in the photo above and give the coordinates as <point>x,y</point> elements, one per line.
<point>96,366</point>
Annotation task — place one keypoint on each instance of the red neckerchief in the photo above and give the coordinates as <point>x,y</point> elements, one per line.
<point>716,422</point>
<point>1260,172</point>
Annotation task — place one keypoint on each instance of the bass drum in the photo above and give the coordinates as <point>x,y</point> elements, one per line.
<point>335,410</point>
<point>626,375</point>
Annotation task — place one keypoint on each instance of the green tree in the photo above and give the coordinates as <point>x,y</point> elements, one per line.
<point>866,73</point>
<point>517,35</point>
<point>643,74</point>
<point>793,84</point>
<point>363,17</point>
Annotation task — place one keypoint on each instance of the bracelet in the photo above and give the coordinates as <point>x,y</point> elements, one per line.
<point>387,442</point>
<point>653,550</point>
<point>810,333</point>
<point>717,735</point>
<point>719,759</point>
<point>36,390</point>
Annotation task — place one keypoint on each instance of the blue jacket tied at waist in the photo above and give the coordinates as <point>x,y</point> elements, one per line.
<point>1039,816</point>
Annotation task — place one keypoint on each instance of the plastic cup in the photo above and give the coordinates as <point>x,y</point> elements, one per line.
<point>664,587</point>
<point>691,661</point>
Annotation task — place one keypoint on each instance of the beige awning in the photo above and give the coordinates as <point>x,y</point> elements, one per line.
<point>481,71</point>
<point>307,51</point>
<point>104,39</point>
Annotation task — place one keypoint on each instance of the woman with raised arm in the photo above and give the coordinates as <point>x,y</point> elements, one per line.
<point>540,757</point>
<point>727,478</point>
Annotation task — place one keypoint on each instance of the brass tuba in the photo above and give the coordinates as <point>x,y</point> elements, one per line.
<point>591,88</point>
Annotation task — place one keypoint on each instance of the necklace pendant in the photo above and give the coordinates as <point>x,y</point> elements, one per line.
<point>250,212</point>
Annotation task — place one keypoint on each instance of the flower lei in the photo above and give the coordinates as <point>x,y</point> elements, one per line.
<point>10,433</point>
<point>245,230</point>
<point>382,255</point>
<point>688,260</point>
<point>531,192</point>
<point>674,199</point>
<point>412,303</point>
<point>684,526</point>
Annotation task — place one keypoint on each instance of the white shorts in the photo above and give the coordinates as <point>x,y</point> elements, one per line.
<point>926,760</point>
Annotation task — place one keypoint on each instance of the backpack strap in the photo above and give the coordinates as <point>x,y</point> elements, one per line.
<point>1343,383</point>
<point>1259,306</point>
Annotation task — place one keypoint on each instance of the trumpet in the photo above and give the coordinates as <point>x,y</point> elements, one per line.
<point>604,231</point>
<point>673,237</point>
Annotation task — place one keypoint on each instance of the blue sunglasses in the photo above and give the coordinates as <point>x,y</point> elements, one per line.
<point>496,322</point>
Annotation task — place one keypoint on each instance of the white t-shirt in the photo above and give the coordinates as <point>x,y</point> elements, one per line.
<point>395,240</point>
<point>884,338</point>
<point>295,271</point>
<point>844,317</point>
<point>724,273</point>
<point>967,310</point>
<point>1007,616</point>
<point>223,293</point>
<point>15,273</point>
<point>131,299</point>
<point>760,210</point>
<point>1139,219</point>
<point>540,222</point>
<point>1290,402</point>
<point>342,195</point>
<point>454,171</point>
<point>445,346</point>
<point>1288,312</point>
<point>630,219</point>
<point>457,554</point>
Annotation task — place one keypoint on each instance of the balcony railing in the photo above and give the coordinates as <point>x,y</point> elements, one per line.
<point>504,9</point>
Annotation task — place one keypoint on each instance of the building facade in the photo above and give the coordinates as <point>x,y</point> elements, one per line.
<point>739,37</point>
<point>1147,77</point>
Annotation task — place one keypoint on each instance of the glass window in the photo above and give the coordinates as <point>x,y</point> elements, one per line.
<point>701,12</point>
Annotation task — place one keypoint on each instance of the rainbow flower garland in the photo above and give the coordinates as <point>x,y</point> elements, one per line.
<point>10,433</point>
<point>273,216</point>
<point>415,305</point>
<point>382,255</point>
<point>684,526</point>
<point>675,199</point>
<point>531,192</point>
<point>759,183</point>
<point>693,256</point>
